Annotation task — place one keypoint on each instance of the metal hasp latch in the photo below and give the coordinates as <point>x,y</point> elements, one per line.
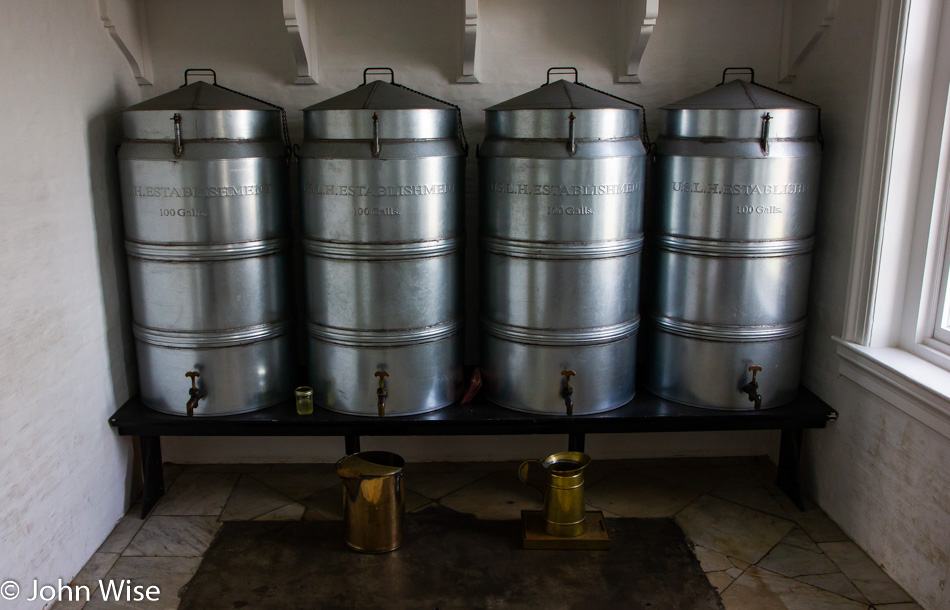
<point>179,148</point>
<point>381,392</point>
<point>752,388</point>
<point>567,391</point>
<point>193,392</point>
<point>764,138</point>
<point>571,144</point>
<point>374,147</point>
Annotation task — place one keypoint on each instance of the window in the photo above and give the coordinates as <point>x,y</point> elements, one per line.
<point>896,342</point>
<point>938,336</point>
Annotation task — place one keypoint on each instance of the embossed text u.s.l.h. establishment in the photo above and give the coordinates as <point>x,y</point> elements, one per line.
<point>357,190</point>
<point>715,188</point>
<point>243,190</point>
<point>564,190</point>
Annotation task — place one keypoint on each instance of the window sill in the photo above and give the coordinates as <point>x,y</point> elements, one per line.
<point>910,383</point>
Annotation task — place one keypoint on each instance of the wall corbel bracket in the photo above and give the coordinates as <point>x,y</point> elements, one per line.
<point>297,22</point>
<point>637,21</point>
<point>125,22</point>
<point>469,42</point>
<point>825,12</point>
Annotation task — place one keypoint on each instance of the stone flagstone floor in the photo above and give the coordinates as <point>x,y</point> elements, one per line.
<point>757,549</point>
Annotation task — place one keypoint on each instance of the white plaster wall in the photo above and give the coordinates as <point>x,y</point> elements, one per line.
<point>880,474</point>
<point>64,475</point>
<point>244,40</point>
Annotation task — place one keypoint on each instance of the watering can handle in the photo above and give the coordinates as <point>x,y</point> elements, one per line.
<point>531,473</point>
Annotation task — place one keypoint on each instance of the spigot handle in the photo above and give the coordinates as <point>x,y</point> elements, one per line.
<point>567,391</point>
<point>752,388</point>
<point>193,392</point>
<point>381,392</point>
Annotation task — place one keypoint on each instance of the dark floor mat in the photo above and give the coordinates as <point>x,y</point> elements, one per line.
<point>448,560</point>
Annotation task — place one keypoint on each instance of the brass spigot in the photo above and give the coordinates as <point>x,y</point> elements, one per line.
<point>567,391</point>
<point>752,388</point>
<point>381,392</point>
<point>193,392</point>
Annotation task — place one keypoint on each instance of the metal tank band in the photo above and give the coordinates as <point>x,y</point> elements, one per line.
<point>736,183</point>
<point>392,338</point>
<point>561,179</point>
<point>562,337</point>
<point>203,175</point>
<point>382,189</point>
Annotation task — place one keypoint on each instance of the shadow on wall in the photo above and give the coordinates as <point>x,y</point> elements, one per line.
<point>104,133</point>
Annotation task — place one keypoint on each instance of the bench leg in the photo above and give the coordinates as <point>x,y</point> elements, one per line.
<point>575,441</point>
<point>152,474</point>
<point>352,443</point>
<point>789,461</point>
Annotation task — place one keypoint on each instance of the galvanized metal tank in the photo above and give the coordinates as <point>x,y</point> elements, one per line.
<point>561,177</point>
<point>382,172</point>
<point>203,173</point>
<point>736,185</point>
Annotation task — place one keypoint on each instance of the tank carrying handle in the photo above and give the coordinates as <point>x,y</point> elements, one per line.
<point>738,69</point>
<point>561,70</point>
<point>380,70</point>
<point>201,72</point>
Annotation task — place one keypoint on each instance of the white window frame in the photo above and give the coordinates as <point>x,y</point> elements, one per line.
<point>938,336</point>
<point>900,250</point>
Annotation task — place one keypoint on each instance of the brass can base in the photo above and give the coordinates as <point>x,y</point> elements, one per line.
<point>373,550</point>
<point>534,536</point>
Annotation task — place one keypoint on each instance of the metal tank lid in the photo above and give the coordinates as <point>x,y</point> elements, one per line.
<point>737,110</point>
<point>544,113</point>
<point>562,94</point>
<point>401,113</point>
<point>207,112</point>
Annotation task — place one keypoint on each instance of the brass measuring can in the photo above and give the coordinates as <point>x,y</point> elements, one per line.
<point>374,501</point>
<point>560,480</point>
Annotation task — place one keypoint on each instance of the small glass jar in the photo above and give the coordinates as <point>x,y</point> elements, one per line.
<point>304,396</point>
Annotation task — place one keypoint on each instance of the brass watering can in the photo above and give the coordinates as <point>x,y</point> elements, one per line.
<point>560,480</point>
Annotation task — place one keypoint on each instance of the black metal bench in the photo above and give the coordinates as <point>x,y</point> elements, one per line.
<point>645,413</point>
